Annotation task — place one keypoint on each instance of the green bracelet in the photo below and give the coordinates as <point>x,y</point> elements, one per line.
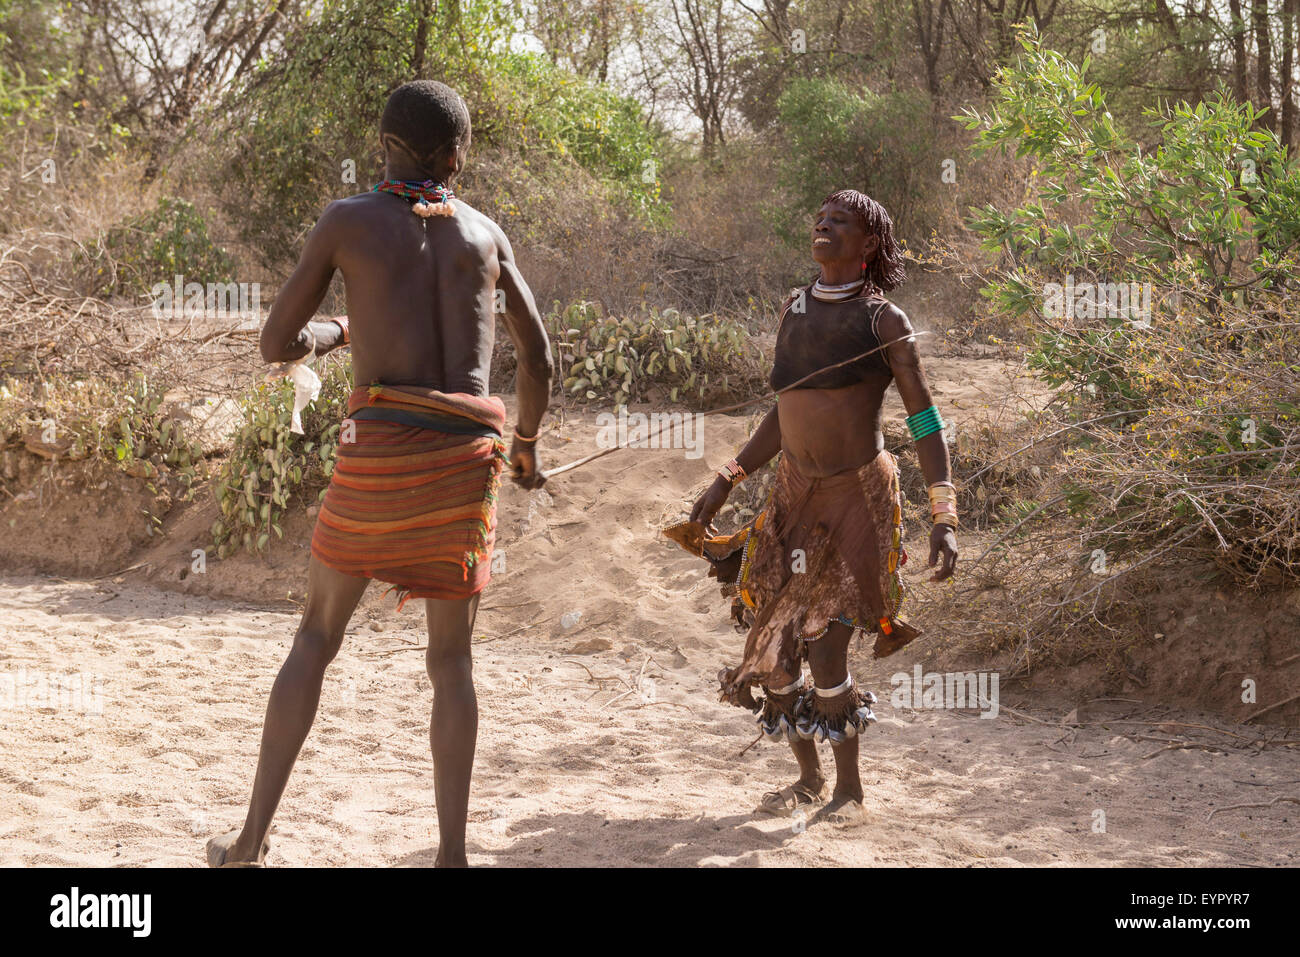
<point>926,422</point>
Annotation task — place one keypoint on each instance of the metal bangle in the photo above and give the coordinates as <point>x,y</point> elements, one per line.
<point>795,685</point>
<point>839,689</point>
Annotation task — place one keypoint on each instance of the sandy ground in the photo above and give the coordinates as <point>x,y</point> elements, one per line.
<point>599,743</point>
<point>564,776</point>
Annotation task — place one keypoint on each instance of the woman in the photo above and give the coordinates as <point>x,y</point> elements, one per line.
<point>822,560</point>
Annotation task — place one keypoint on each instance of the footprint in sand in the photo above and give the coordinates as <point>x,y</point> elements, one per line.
<point>177,759</point>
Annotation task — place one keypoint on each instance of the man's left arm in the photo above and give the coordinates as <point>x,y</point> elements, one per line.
<point>931,450</point>
<point>536,367</point>
<point>289,334</point>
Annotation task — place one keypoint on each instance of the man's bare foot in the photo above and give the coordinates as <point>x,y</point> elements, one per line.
<point>843,811</point>
<point>219,849</point>
<point>785,802</point>
<point>450,860</point>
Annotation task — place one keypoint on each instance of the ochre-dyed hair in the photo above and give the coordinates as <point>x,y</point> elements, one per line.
<point>427,117</point>
<point>886,270</point>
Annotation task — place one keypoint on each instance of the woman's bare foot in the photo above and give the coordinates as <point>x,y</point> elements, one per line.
<point>785,802</point>
<point>220,852</point>
<point>843,811</point>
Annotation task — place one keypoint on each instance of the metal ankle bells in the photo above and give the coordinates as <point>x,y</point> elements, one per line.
<point>835,714</point>
<point>816,714</point>
<point>779,710</point>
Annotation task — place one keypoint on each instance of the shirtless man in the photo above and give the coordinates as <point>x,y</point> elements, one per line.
<point>412,498</point>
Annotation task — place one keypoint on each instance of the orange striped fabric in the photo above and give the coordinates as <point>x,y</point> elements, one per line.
<point>414,507</point>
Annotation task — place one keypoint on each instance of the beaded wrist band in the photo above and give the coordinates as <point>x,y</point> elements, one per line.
<point>732,472</point>
<point>926,422</point>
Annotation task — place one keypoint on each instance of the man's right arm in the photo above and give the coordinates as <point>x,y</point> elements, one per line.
<point>282,338</point>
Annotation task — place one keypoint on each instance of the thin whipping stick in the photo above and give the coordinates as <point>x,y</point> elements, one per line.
<point>732,408</point>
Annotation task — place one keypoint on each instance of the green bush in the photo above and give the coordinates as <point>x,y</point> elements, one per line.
<point>835,137</point>
<point>124,422</point>
<point>170,240</point>
<point>35,59</point>
<point>1214,198</point>
<point>304,127</point>
<point>660,354</point>
<point>540,107</point>
<point>1176,423</point>
<point>269,466</point>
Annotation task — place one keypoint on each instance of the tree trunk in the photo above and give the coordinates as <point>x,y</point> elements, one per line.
<point>426,10</point>
<point>929,35</point>
<point>1263,64</point>
<point>1289,10</point>
<point>1239,90</point>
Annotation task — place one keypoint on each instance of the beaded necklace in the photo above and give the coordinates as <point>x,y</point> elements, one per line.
<point>428,198</point>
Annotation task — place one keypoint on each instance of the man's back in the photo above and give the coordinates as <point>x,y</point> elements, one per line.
<point>412,493</point>
<point>420,292</point>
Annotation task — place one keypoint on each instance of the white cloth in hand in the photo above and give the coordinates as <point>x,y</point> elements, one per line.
<point>306,387</point>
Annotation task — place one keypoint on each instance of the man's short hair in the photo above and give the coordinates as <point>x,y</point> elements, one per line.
<point>428,117</point>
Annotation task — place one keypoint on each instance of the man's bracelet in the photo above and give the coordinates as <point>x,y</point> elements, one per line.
<point>732,472</point>
<point>342,322</point>
<point>526,439</point>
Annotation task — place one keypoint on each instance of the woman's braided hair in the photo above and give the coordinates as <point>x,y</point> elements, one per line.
<point>886,271</point>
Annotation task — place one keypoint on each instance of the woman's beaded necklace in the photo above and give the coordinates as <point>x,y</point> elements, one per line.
<point>428,198</point>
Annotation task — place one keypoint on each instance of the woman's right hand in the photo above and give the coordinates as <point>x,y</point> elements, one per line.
<point>708,504</point>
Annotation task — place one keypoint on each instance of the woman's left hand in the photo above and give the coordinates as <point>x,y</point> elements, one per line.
<point>943,543</point>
